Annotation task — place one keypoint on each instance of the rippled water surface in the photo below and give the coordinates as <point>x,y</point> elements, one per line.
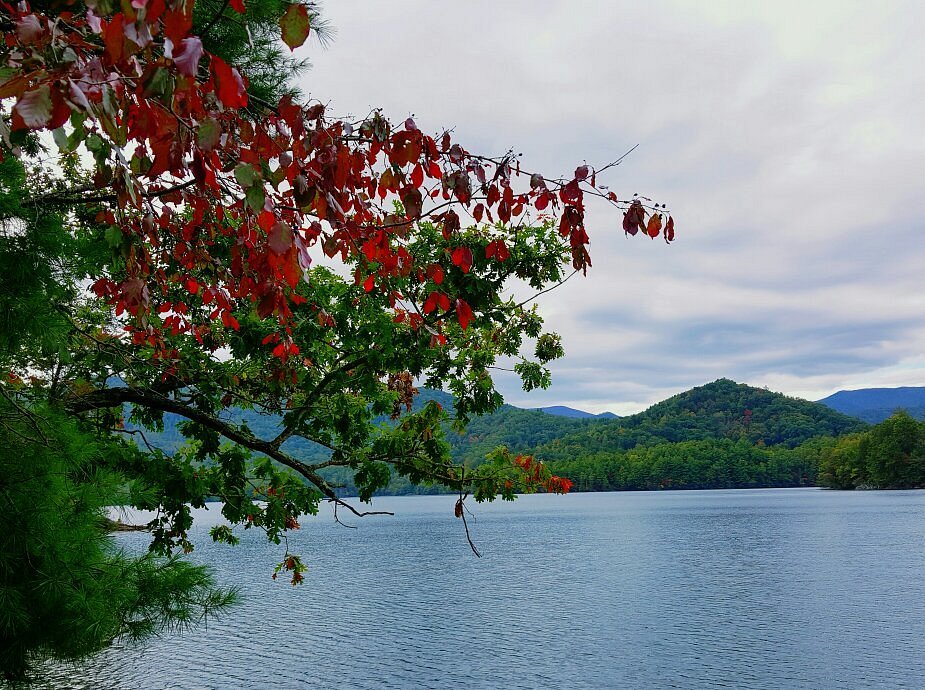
<point>747,589</point>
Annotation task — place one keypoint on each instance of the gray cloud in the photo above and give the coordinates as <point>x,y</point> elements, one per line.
<point>786,137</point>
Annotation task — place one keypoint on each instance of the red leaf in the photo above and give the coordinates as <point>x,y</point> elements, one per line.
<point>581,173</point>
<point>295,25</point>
<point>634,218</point>
<point>655,225</point>
<point>669,230</point>
<point>413,201</point>
<point>462,257</point>
<point>114,38</point>
<point>229,321</point>
<point>229,85</point>
<point>186,56</point>
<point>29,29</point>
<point>238,6</point>
<point>478,211</point>
<point>34,109</point>
<point>417,175</point>
<point>77,97</point>
<point>178,22</point>
<point>463,313</point>
<point>280,238</point>
<point>435,273</point>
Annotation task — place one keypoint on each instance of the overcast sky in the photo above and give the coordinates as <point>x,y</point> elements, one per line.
<point>788,139</point>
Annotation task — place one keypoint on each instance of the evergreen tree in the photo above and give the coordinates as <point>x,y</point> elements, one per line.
<point>66,590</point>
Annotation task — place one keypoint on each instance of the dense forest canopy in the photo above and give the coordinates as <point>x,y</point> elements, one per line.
<point>891,455</point>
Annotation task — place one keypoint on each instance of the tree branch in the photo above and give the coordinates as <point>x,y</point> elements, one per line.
<point>114,397</point>
<point>312,397</point>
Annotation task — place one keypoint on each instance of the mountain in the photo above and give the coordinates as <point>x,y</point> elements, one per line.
<point>874,405</point>
<point>572,413</point>
<point>722,434</point>
<point>723,409</point>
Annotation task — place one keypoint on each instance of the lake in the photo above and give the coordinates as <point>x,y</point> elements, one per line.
<point>677,589</point>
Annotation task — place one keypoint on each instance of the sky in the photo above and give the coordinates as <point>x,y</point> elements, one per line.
<point>787,138</point>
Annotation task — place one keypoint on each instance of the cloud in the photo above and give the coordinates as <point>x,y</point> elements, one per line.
<point>786,137</point>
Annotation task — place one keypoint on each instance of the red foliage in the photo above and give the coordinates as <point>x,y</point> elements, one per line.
<point>285,183</point>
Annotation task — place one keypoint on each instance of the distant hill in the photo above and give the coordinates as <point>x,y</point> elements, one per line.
<point>572,413</point>
<point>723,409</point>
<point>519,429</point>
<point>874,405</point>
<point>722,434</point>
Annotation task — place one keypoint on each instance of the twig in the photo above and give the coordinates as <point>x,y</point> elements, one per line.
<point>356,512</point>
<point>338,521</point>
<point>551,287</point>
<point>461,513</point>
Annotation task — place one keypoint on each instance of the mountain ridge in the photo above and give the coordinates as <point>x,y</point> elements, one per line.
<point>571,412</point>
<point>874,405</point>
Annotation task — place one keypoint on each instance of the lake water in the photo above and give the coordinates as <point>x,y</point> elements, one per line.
<point>782,588</point>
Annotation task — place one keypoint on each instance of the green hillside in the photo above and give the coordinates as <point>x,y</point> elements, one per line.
<point>723,409</point>
<point>723,434</point>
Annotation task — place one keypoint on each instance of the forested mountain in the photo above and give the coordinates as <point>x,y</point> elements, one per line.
<point>723,409</point>
<point>722,434</point>
<point>877,404</point>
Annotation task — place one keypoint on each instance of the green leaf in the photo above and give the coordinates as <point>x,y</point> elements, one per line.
<point>256,198</point>
<point>61,140</point>
<point>114,236</point>
<point>209,134</point>
<point>159,84</point>
<point>245,175</point>
<point>295,25</point>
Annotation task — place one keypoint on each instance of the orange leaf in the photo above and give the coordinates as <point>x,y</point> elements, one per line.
<point>295,25</point>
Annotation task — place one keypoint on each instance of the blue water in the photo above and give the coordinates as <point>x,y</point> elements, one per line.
<point>782,588</point>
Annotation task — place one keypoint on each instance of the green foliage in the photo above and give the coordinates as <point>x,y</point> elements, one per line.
<point>251,42</point>
<point>891,455</point>
<point>66,590</point>
<point>705,464</point>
